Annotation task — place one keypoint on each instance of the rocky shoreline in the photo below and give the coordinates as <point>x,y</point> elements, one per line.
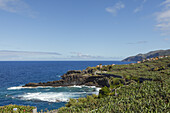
<point>75,77</point>
<point>89,77</point>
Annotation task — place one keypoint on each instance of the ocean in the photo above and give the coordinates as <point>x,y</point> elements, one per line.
<point>14,74</point>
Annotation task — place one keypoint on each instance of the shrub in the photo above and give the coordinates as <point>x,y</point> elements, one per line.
<point>135,78</point>
<point>82,100</point>
<point>90,98</point>
<point>95,96</point>
<point>72,102</point>
<point>104,92</point>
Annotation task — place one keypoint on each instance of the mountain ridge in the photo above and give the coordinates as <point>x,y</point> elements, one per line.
<point>151,54</point>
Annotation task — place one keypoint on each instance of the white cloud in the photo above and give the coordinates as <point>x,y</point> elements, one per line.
<point>78,55</point>
<point>6,55</point>
<point>167,3</point>
<point>140,8</point>
<point>27,53</point>
<point>16,6</point>
<point>83,56</point>
<point>163,18</point>
<point>114,9</point>
<point>139,42</point>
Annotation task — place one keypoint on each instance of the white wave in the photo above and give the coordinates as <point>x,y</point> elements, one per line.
<point>53,96</point>
<point>91,86</point>
<point>81,86</point>
<point>76,86</point>
<point>50,96</point>
<point>95,92</point>
<point>15,88</point>
<point>21,87</point>
<point>97,89</point>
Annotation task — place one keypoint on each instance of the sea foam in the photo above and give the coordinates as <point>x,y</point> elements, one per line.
<point>21,87</point>
<point>54,95</point>
<point>15,88</point>
<point>49,97</point>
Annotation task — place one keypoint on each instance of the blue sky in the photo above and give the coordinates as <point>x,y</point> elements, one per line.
<point>82,29</point>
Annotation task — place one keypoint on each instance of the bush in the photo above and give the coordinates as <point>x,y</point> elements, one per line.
<point>72,102</point>
<point>82,100</point>
<point>104,92</point>
<point>95,96</point>
<point>135,78</point>
<point>90,98</point>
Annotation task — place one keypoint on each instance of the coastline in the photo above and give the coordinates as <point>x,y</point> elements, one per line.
<point>132,78</point>
<point>75,77</point>
<point>51,71</point>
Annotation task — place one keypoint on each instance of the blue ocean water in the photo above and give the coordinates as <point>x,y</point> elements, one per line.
<point>14,74</point>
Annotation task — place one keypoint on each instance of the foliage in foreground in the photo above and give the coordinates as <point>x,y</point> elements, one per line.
<point>20,109</point>
<point>129,94</point>
<point>149,96</point>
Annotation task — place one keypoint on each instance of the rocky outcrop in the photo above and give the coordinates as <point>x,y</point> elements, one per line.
<point>74,77</point>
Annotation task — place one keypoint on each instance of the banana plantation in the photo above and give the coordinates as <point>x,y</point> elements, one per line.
<point>143,87</point>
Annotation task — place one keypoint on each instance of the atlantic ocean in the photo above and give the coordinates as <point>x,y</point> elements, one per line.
<point>14,74</point>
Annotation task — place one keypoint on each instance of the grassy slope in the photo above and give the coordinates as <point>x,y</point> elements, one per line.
<point>132,96</point>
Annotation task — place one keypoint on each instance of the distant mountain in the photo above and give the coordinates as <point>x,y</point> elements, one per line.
<point>151,54</point>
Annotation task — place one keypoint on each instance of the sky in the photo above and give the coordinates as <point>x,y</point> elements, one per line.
<point>59,30</point>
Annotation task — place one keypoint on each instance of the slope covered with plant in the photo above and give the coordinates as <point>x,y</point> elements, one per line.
<point>142,87</point>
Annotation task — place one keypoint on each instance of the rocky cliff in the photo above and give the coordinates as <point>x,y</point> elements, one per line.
<point>75,78</point>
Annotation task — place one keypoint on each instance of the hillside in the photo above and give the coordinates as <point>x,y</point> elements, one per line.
<point>151,54</point>
<point>143,87</point>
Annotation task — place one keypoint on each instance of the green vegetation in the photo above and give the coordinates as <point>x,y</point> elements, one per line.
<point>142,87</point>
<point>105,91</point>
<point>20,109</point>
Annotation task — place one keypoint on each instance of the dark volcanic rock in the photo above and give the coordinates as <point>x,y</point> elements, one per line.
<point>73,72</point>
<point>32,84</point>
<point>98,81</point>
<point>75,78</point>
